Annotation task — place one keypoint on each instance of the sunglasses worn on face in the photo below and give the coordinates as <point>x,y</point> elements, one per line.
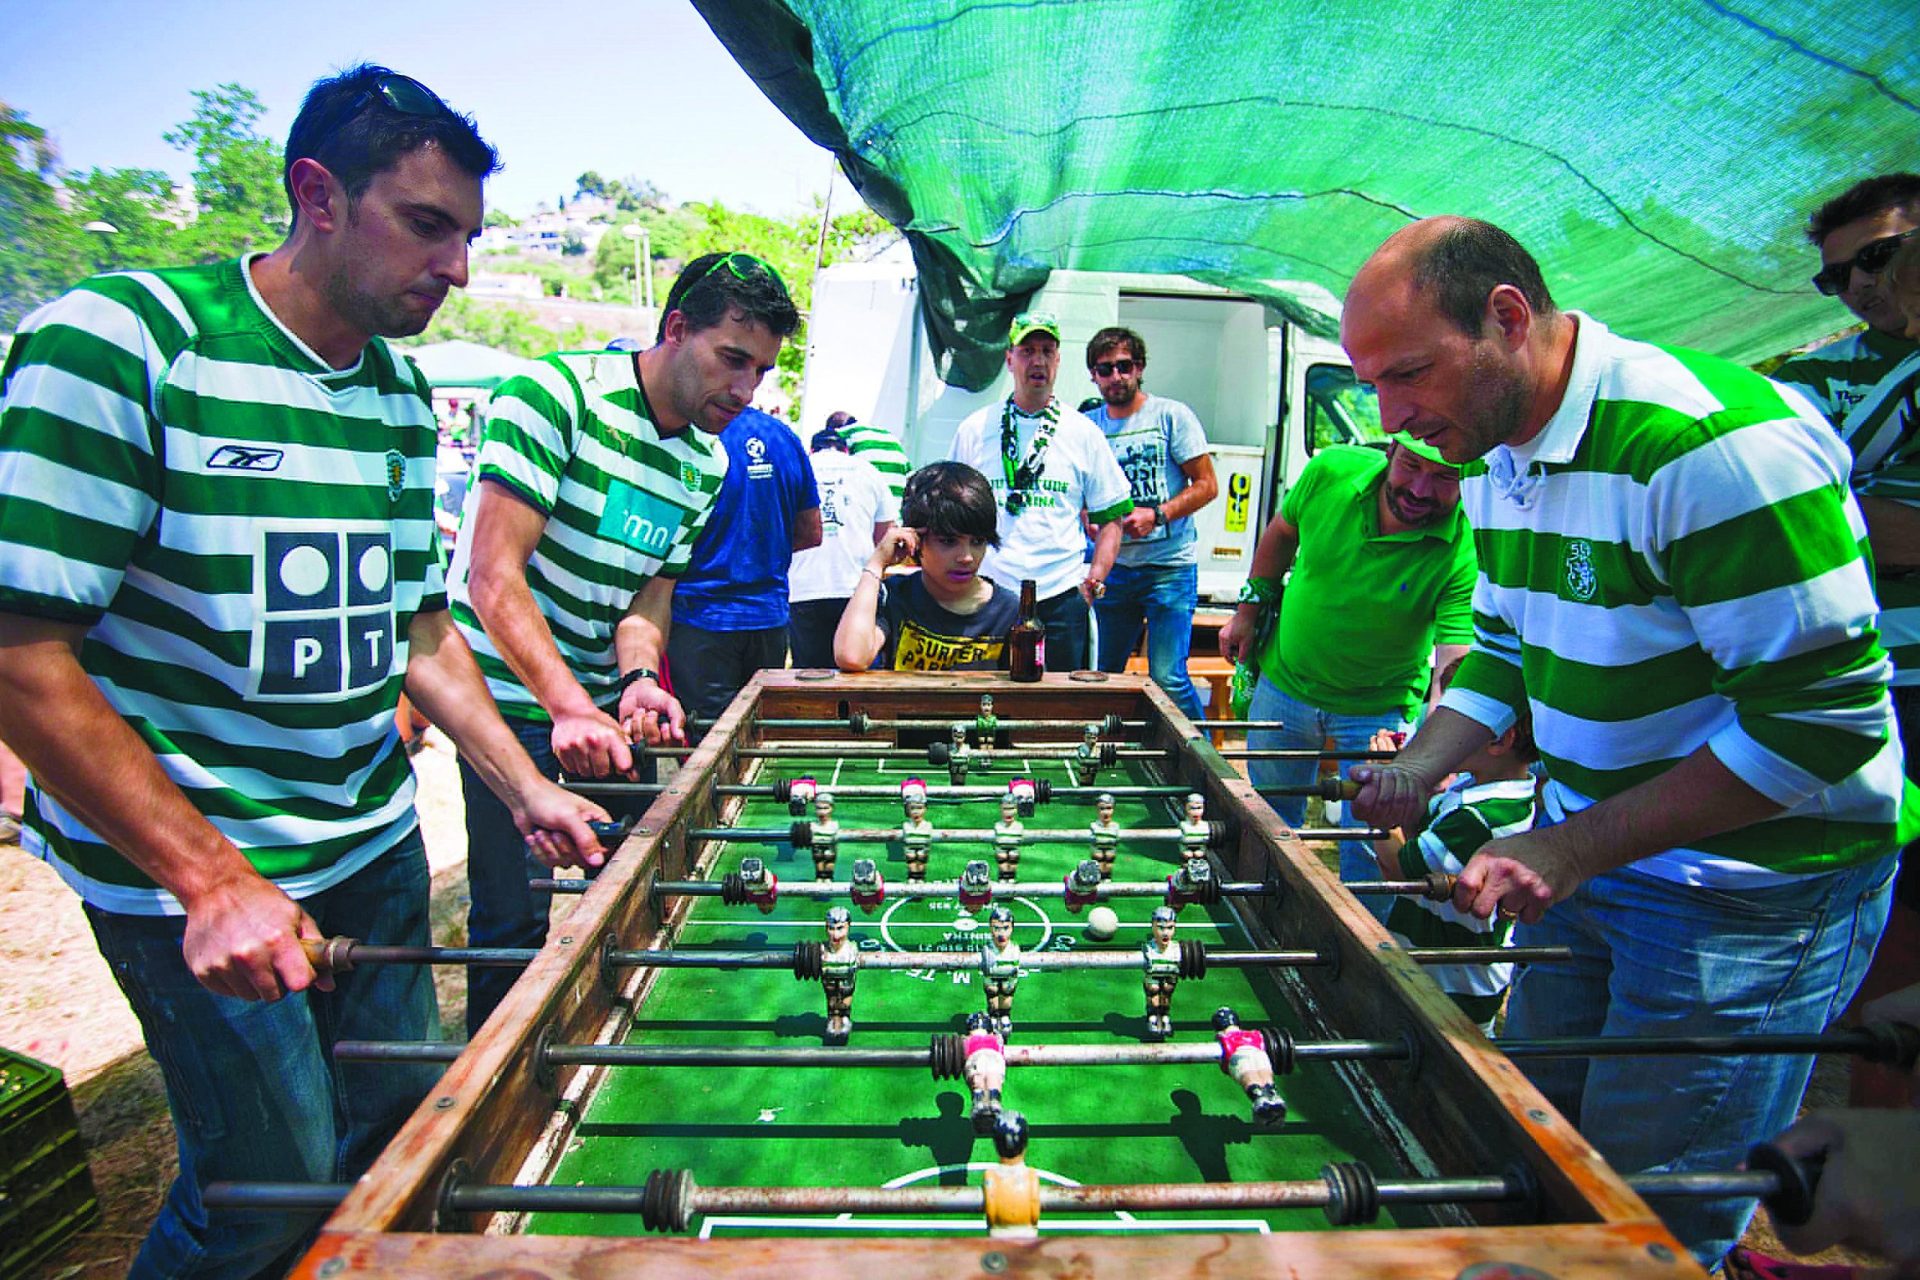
<point>1107,368</point>
<point>1872,259</point>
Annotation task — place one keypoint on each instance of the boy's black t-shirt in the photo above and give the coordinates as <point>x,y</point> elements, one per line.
<point>921,635</point>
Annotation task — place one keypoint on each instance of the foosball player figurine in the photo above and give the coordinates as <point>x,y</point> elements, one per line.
<point>1008,835</point>
<point>1243,1055</point>
<point>985,1069</point>
<point>1190,883</point>
<point>1161,956</point>
<point>1106,835</point>
<point>957,755</point>
<point>869,886</point>
<point>986,725</point>
<point>839,969</point>
<point>1000,965</point>
<point>1011,1189</point>
<point>916,837</point>
<point>762,886</point>
<point>1086,756</point>
<point>826,836</point>
<point>800,793</point>
<point>976,885</point>
<point>1083,885</point>
<point>1193,828</point>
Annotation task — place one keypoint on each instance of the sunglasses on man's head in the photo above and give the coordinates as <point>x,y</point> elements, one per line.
<point>1107,368</point>
<point>1872,259</point>
<point>742,265</point>
<point>403,94</point>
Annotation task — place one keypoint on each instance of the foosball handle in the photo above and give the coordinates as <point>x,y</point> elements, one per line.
<point>330,955</point>
<point>1792,1203</point>
<point>611,834</point>
<point>1895,1044</point>
<point>1339,789</point>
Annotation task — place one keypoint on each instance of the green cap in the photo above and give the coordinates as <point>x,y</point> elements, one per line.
<point>1033,322</point>
<point>1420,449</point>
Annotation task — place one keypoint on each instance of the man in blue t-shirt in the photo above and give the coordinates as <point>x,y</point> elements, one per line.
<point>730,607</point>
<point>1156,576</point>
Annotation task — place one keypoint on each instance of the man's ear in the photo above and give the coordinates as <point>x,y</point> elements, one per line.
<point>673,327</point>
<point>316,195</point>
<point>1503,744</point>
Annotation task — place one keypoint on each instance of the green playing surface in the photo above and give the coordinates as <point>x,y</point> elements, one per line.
<point>899,1126</point>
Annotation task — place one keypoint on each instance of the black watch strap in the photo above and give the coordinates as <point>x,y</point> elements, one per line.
<point>638,673</point>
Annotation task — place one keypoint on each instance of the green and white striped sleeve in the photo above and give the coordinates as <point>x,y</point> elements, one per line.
<point>79,466</point>
<point>1752,526</point>
<point>529,434</point>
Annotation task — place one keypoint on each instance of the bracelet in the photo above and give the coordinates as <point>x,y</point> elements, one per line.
<point>635,676</point>
<point>1260,591</point>
<point>867,568</point>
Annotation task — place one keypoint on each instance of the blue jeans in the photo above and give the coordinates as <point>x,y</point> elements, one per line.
<point>1309,728</point>
<point>1655,958</point>
<point>1068,625</point>
<point>254,1090</point>
<point>501,910</point>
<point>1164,597</point>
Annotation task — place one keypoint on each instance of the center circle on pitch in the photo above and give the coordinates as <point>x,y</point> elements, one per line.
<point>943,924</point>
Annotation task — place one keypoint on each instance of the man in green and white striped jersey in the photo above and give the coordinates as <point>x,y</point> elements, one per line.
<point>218,571</point>
<point>1673,580</point>
<point>875,446</point>
<point>596,474</point>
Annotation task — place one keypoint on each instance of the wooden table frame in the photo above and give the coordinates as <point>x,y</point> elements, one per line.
<point>1460,1107</point>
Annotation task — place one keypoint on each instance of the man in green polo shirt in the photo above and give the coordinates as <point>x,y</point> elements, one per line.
<point>1382,582</point>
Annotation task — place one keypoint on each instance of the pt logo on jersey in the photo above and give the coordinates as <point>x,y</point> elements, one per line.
<point>1583,580</point>
<point>324,602</point>
<point>635,518</point>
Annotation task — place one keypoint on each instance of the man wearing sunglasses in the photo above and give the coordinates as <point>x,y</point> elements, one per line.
<point>1047,465</point>
<point>1162,451</point>
<point>1857,233</point>
<point>598,472</point>
<point>216,494</point>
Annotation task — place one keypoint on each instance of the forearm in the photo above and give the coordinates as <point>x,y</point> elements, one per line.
<point>857,640</point>
<point>1443,741</point>
<point>1199,492</point>
<point>1273,554</point>
<point>640,637</point>
<point>83,753</point>
<point>1106,545</point>
<point>445,683</point>
<point>1893,531</point>
<point>520,635</point>
<point>1696,799</point>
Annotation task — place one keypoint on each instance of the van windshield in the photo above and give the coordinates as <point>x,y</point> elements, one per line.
<point>1339,409</point>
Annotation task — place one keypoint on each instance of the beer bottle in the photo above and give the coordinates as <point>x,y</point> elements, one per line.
<point>1027,639</point>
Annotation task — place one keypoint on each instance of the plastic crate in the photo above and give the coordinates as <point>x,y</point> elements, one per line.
<point>46,1189</point>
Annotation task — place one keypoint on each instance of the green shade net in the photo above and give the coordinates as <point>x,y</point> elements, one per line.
<point>1659,158</point>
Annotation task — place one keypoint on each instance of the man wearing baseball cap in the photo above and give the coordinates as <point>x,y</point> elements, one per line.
<point>1047,464</point>
<point>1383,570</point>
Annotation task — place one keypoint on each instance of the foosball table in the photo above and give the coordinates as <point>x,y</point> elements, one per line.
<point>948,1021</point>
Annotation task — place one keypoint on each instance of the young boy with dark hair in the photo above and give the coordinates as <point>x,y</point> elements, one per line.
<point>947,617</point>
<point>1491,796</point>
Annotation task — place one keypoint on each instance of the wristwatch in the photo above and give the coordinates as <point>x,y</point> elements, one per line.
<point>1159,516</point>
<point>636,675</point>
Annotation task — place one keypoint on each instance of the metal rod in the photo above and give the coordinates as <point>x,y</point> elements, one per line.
<point>600,787</point>
<point>941,835</point>
<point>1313,1193</point>
<point>1003,890</point>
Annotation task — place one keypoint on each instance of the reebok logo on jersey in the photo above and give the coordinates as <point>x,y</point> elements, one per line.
<point>323,596</point>
<point>234,457</point>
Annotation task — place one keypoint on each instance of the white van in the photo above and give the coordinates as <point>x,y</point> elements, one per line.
<point>1266,391</point>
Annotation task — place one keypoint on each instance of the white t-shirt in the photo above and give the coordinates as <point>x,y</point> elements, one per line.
<point>853,498</point>
<point>1044,541</point>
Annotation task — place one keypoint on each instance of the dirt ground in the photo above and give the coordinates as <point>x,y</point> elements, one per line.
<point>59,1004</point>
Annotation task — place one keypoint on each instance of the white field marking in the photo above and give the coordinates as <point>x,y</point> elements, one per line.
<point>886,919</point>
<point>839,762</point>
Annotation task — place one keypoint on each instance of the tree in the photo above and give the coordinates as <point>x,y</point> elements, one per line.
<point>591,183</point>
<point>136,204</point>
<point>42,248</point>
<point>236,176</point>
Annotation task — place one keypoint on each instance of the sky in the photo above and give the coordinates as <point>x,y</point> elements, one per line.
<point>636,87</point>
